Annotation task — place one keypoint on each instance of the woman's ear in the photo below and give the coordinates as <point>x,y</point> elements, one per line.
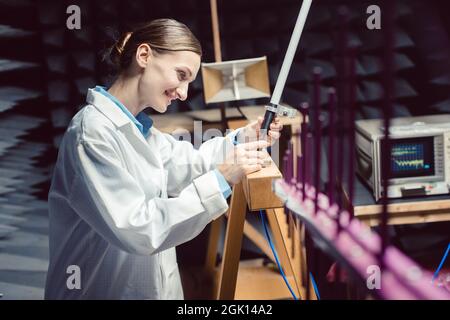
<point>143,55</point>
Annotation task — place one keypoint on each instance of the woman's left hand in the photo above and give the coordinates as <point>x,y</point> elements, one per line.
<point>252,131</point>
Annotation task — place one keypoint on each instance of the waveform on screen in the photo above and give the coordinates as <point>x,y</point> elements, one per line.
<point>415,164</point>
<point>408,157</point>
<point>400,153</point>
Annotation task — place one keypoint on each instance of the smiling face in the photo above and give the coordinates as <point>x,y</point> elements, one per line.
<point>164,76</point>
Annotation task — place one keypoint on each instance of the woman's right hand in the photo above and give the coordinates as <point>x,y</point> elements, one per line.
<point>243,159</point>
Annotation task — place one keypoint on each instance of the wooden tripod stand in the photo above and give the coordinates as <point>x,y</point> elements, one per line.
<point>255,192</point>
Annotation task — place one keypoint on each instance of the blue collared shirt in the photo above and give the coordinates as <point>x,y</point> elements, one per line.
<point>142,121</point>
<point>223,184</point>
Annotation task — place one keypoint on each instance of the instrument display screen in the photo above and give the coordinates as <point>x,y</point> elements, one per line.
<point>411,157</point>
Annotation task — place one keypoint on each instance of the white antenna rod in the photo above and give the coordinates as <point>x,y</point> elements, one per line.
<point>290,53</point>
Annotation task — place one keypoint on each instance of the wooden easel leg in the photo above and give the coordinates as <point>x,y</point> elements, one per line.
<point>283,244</point>
<point>213,241</point>
<point>233,243</point>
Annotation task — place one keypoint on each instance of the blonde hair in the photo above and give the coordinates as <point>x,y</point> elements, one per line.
<point>161,35</point>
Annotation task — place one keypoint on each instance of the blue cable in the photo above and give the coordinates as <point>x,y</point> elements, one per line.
<point>316,290</point>
<point>441,264</point>
<point>276,256</point>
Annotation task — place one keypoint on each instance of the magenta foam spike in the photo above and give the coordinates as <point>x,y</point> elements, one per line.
<point>309,144</point>
<point>342,40</point>
<point>285,168</point>
<point>331,141</point>
<point>351,129</point>
<point>387,107</point>
<point>317,132</point>
<point>304,133</point>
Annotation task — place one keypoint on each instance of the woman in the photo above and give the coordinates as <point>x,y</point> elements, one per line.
<point>123,194</point>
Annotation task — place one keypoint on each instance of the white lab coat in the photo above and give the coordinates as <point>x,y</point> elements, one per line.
<point>110,211</point>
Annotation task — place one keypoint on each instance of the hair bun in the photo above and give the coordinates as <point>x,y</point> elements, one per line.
<point>118,48</point>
